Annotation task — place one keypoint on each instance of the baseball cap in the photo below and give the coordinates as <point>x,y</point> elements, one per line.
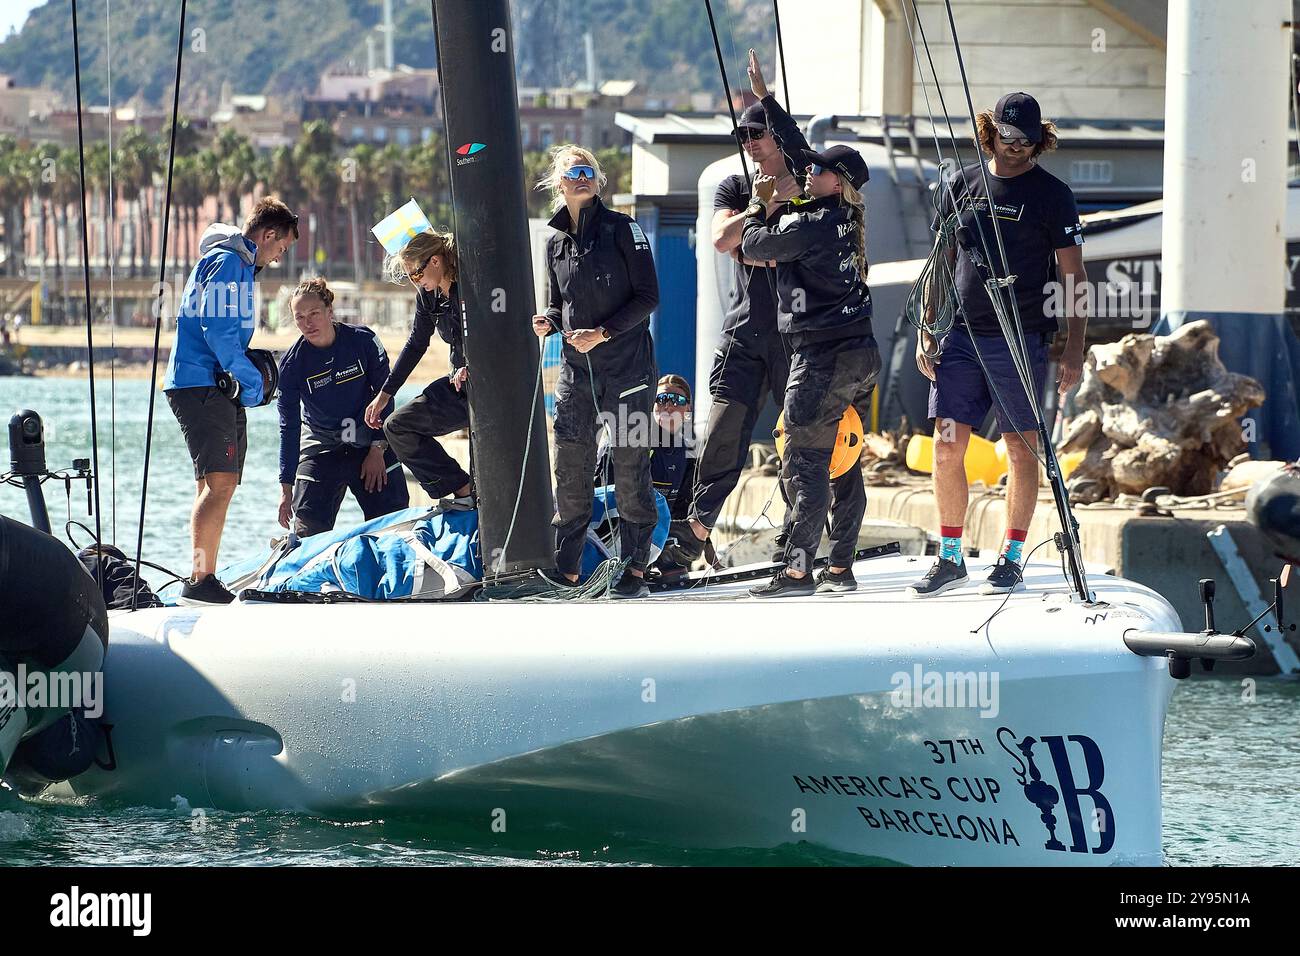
<point>844,160</point>
<point>754,115</point>
<point>1017,116</point>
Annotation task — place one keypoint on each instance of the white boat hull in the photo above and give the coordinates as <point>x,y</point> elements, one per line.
<point>706,720</point>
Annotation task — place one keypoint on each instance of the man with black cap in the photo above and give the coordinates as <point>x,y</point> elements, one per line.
<point>824,310</point>
<point>973,370</point>
<point>751,360</point>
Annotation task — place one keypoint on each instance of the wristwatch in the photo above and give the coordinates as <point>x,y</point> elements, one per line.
<point>756,207</point>
<point>604,334</point>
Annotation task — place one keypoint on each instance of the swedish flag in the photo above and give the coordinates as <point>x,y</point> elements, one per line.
<point>396,230</point>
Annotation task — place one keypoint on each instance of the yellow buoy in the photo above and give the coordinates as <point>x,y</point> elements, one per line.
<point>982,460</point>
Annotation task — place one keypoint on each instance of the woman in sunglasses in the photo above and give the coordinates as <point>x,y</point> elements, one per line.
<point>603,288</point>
<point>824,309</point>
<point>671,442</point>
<point>428,262</point>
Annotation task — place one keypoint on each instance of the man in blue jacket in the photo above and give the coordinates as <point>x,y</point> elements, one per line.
<point>214,325</point>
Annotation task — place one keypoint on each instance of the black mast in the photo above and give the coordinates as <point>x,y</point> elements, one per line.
<point>511,463</point>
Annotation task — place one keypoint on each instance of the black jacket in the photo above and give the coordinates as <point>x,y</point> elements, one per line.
<point>820,291</point>
<point>604,277</point>
<point>433,310</point>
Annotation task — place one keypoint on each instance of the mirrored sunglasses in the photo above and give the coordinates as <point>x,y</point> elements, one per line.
<point>580,172</point>
<point>1015,141</point>
<point>672,398</point>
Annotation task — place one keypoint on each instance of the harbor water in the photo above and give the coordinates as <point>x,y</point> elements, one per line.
<point>1231,786</point>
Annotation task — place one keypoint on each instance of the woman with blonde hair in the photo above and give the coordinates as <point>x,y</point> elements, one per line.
<point>327,377</point>
<point>428,262</point>
<point>603,288</point>
<point>824,309</point>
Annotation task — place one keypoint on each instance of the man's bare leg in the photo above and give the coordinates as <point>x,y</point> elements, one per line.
<point>1022,478</point>
<point>951,493</point>
<point>212,496</point>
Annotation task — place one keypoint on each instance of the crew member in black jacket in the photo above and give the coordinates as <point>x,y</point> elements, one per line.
<point>824,308</point>
<point>429,262</point>
<point>603,288</point>
<point>751,360</point>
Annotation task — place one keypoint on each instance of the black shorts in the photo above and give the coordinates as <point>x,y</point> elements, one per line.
<point>215,429</point>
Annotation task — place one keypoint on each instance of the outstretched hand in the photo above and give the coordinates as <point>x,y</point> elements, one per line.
<point>374,414</point>
<point>756,82</point>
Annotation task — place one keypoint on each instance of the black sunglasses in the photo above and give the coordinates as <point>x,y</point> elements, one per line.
<point>746,133</point>
<point>418,274</point>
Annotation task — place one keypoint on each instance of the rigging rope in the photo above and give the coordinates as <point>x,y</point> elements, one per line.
<point>85,271</point>
<point>112,302</point>
<point>159,308</point>
<point>780,51</point>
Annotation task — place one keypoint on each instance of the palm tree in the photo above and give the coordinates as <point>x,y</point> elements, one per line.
<point>210,176</point>
<point>67,196</point>
<point>14,189</point>
<point>393,174</point>
<point>314,154</point>
<point>321,177</point>
<point>97,179</point>
<point>43,165</point>
<point>237,172</point>
<point>145,165</point>
<point>362,192</point>
<point>282,178</point>
<point>187,197</point>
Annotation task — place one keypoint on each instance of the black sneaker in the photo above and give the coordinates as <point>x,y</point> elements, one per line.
<point>207,591</point>
<point>555,578</point>
<point>782,585</point>
<point>682,544</point>
<point>629,586</point>
<point>1005,576</point>
<point>944,576</point>
<point>838,582</point>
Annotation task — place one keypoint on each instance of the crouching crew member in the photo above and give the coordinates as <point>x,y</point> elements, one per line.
<point>603,288</point>
<point>825,310</point>
<point>974,370</point>
<point>328,377</point>
<point>213,328</point>
<point>428,262</point>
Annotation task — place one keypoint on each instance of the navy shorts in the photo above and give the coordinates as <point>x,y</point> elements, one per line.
<point>961,392</point>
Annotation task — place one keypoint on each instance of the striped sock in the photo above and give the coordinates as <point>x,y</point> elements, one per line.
<point>950,544</point>
<point>1014,545</point>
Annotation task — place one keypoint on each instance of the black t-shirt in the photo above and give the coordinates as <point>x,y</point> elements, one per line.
<point>751,307</point>
<point>1037,215</point>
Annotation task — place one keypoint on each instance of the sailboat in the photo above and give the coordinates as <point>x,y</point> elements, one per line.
<point>968,730</point>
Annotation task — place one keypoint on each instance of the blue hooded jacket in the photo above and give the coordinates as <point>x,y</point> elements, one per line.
<point>216,320</point>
